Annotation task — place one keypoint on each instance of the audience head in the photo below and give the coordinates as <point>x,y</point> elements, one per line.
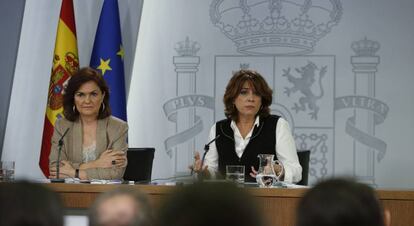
<point>206,204</point>
<point>259,85</point>
<point>340,202</point>
<point>25,203</point>
<point>124,206</point>
<point>72,97</point>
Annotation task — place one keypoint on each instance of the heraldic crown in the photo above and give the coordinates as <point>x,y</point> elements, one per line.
<point>365,47</point>
<point>187,47</point>
<point>274,27</point>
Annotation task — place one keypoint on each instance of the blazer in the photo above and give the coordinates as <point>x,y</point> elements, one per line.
<point>111,133</point>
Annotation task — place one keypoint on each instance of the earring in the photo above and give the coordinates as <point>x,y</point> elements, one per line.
<point>103,106</point>
<point>74,109</point>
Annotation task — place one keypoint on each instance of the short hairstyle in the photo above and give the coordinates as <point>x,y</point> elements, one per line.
<point>210,203</point>
<point>340,202</point>
<point>81,77</point>
<point>143,215</point>
<point>25,203</point>
<point>234,87</point>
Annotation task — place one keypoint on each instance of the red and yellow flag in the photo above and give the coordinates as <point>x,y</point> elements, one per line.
<point>65,63</point>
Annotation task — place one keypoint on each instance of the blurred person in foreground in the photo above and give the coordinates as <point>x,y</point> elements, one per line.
<point>124,206</point>
<point>248,130</point>
<point>341,202</point>
<point>96,143</point>
<point>25,203</point>
<point>206,204</point>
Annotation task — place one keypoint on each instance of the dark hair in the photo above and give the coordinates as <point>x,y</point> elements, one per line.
<point>234,87</point>
<point>212,203</point>
<point>143,215</point>
<point>81,77</point>
<point>340,202</point>
<point>25,203</point>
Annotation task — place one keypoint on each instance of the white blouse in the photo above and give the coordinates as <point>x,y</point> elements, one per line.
<point>89,153</point>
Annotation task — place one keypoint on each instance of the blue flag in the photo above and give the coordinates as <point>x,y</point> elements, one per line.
<point>108,56</point>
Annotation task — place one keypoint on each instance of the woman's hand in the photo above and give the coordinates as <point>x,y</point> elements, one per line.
<point>111,158</point>
<point>65,170</point>
<point>253,173</point>
<point>277,167</point>
<point>197,167</point>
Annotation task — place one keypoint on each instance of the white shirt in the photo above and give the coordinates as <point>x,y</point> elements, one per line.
<point>285,149</point>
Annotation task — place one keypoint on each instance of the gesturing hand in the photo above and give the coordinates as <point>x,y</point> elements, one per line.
<point>197,167</point>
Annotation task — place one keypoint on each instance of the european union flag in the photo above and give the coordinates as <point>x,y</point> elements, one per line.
<point>108,55</point>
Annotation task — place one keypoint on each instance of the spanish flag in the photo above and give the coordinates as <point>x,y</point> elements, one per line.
<point>65,64</point>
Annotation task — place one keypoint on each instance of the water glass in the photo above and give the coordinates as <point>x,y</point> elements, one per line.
<point>6,171</point>
<point>235,173</point>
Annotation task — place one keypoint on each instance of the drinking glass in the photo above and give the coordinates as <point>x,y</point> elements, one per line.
<point>235,173</point>
<point>6,171</point>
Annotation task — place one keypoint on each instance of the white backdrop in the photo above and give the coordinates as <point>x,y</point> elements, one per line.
<point>175,97</point>
<point>171,93</point>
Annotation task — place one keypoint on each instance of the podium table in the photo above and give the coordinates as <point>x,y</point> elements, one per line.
<point>277,204</point>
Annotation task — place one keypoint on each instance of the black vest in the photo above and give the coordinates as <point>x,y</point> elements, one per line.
<point>262,141</point>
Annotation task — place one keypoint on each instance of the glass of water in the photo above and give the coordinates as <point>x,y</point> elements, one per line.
<point>6,171</point>
<point>235,173</point>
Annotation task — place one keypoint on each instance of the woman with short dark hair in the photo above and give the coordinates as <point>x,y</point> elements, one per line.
<point>83,76</point>
<point>248,130</point>
<point>95,144</point>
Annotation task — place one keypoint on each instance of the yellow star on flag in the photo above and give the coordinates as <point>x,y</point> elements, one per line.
<point>121,52</point>
<point>104,66</point>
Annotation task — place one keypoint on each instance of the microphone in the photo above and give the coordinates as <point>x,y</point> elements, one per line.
<point>60,144</point>
<point>207,148</point>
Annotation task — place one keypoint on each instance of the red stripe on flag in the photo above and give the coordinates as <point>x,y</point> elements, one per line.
<point>46,145</point>
<point>67,15</point>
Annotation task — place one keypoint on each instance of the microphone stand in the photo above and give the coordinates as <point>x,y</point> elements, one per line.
<point>60,144</point>
<point>206,149</point>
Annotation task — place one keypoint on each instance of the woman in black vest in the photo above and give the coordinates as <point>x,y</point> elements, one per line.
<point>250,130</point>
